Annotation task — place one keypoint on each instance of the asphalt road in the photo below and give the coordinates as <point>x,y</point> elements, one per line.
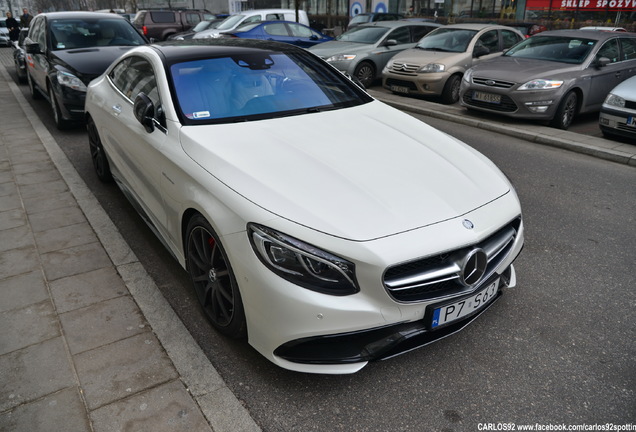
<point>559,349</point>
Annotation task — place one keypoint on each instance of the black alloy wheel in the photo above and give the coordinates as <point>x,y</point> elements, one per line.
<point>213,279</point>
<point>365,73</point>
<point>98,156</point>
<point>566,111</point>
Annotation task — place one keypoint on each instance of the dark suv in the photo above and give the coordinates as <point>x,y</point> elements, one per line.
<point>159,24</point>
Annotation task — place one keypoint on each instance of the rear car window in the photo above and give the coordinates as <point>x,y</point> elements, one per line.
<point>162,17</point>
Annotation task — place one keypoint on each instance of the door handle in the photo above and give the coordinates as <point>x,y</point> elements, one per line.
<point>116,109</point>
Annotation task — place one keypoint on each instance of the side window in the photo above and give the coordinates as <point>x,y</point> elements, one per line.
<point>629,48</point>
<point>254,18</point>
<point>610,50</point>
<point>162,17</point>
<point>118,75</point>
<point>133,76</point>
<point>300,31</point>
<point>402,35</point>
<point>274,17</point>
<point>420,31</point>
<point>193,18</point>
<point>509,38</point>
<point>490,40</point>
<point>37,35</point>
<point>208,16</point>
<point>276,29</point>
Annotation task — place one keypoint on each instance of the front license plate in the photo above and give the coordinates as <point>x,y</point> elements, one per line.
<point>631,121</point>
<point>487,97</point>
<point>468,305</point>
<point>399,89</point>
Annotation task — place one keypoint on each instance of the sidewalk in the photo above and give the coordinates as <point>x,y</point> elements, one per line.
<point>87,342</point>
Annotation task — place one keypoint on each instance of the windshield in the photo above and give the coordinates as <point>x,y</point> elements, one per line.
<point>364,35</point>
<point>201,26</point>
<point>560,49</point>
<point>257,85</point>
<point>230,22</point>
<point>84,33</point>
<point>447,40</point>
<point>360,19</point>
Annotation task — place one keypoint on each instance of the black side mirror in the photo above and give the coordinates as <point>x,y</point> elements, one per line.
<point>602,62</point>
<point>480,50</point>
<point>33,48</point>
<point>144,111</point>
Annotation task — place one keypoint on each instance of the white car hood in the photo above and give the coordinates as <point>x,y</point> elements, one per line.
<point>353,173</point>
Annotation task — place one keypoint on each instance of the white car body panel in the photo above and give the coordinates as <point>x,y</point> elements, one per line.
<point>358,171</point>
<point>349,191</point>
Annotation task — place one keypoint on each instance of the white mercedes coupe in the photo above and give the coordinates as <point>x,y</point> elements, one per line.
<point>326,227</point>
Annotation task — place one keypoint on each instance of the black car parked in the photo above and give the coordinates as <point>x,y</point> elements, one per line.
<point>66,50</point>
<point>19,56</point>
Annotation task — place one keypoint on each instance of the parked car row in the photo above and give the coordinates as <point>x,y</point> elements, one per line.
<point>557,74</point>
<point>551,76</point>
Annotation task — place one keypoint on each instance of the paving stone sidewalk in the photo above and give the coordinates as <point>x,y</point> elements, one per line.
<point>87,342</point>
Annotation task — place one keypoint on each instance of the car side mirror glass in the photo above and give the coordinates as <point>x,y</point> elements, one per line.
<point>144,111</point>
<point>33,48</point>
<point>602,62</point>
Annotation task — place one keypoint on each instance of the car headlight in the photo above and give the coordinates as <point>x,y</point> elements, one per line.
<point>468,75</point>
<point>341,57</point>
<point>71,81</point>
<point>541,84</point>
<point>301,263</point>
<point>615,101</point>
<point>432,67</point>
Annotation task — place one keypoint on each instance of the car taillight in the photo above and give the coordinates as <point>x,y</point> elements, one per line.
<point>145,30</point>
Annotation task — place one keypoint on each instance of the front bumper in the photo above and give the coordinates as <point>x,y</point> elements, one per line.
<point>540,105</point>
<point>310,332</point>
<point>429,84</point>
<point>377,344</point>
<point>71,103</point>
<point>617,122</point>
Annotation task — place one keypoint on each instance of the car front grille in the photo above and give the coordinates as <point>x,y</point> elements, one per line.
<point>439,276</point>
<point>506,104</point>
<point>404,68</point>
<point>399,83</point>
<point>630,104</point>
<point>492,83</point>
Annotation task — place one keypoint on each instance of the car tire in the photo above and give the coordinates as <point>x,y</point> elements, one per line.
<point>566,111</point>
<point>98,155</point>
<point>450,94</point>
<point>35,93</point>
<point>213,279</point>
<point>57,113</point>
<point>365,73</point>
